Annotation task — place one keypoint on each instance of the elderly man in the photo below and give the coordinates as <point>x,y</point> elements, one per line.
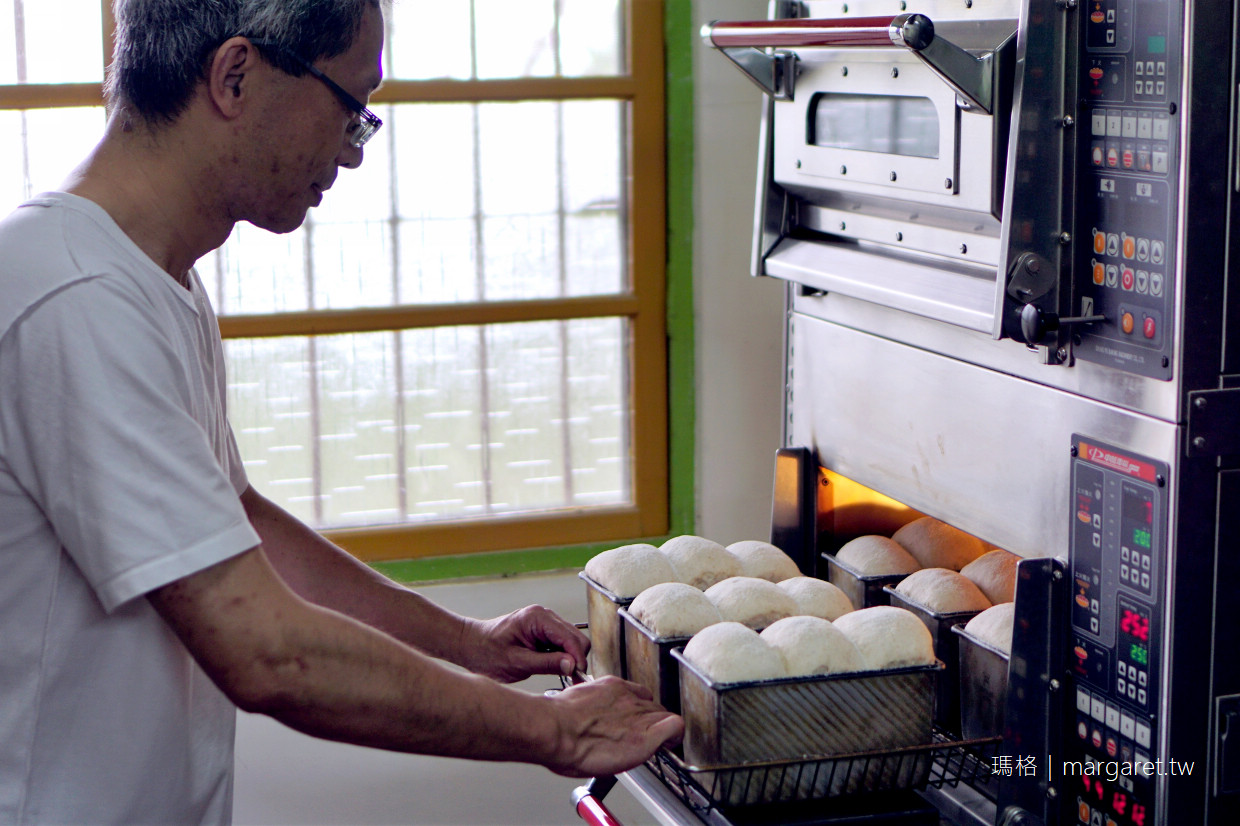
<point>148,590</point>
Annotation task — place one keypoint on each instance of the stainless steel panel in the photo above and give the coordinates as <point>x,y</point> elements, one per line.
<point>982,450</point>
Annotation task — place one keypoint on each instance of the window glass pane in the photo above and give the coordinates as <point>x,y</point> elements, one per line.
<point>270,407</point>
<point>257,272</point>
<point>453,203</point>
<point>489,39</point>
<point>41,147</point>
<point>433,424</point>
<point>38,44</point>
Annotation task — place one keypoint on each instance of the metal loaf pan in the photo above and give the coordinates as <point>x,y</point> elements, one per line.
<point>797,717</point>
<point>863,590</point>
<point>947,649</point>
<point>983,686</point>
<point>649,661</point>
<point>606,631</point>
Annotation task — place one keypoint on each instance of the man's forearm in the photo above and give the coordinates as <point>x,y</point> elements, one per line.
<point>324,574</point>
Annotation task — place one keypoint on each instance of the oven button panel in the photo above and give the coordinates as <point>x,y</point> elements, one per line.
<point>1117,559</point>
<point>1129,159</point>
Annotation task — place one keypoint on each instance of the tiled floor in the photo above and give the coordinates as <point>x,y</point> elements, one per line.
<point>287,778</point>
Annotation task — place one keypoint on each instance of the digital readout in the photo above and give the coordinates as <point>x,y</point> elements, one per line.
<point>1139,654</point>
<point>1141,538</point>
<point>1135,624</point>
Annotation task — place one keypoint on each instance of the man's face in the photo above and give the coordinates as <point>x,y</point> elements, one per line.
<point>305,139</point>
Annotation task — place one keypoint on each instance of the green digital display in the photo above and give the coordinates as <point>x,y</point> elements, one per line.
<point>1139,654</point>
<point>1156,44</point>
<point>1141,538</point>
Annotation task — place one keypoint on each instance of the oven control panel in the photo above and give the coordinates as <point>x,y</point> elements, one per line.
<point>1130,67</point>
<point>1117,564</point>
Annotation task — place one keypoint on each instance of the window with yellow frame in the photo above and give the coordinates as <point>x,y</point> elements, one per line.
<point>464,347</point>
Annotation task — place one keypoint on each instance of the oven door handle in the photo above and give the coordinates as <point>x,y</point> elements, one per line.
<point>742,42</point>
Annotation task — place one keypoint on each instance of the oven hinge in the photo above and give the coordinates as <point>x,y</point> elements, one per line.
<point>1213,422</point>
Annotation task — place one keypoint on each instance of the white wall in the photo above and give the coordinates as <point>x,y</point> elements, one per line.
<point>738,318</point>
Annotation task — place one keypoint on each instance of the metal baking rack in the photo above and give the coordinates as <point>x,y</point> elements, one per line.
<point>945,762</point>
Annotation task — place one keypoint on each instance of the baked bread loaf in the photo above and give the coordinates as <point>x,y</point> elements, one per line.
<point>729,652</point>
<point>698,561</point>
<point>936,544</point>
<point>995,573</point>
<point>674,609</point>
<point>941,591</point>
<point>763,560</point>
<point>812,645</point>
<point>750,601</point>
<point>877,556</point>
<point>816,597</point>
<point>628,570</point>
<point>888,637</point>
<point>994,626</point>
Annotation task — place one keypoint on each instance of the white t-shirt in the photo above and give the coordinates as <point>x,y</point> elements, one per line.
<point>118,474</point>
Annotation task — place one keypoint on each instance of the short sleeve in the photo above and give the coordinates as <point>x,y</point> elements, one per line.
<point>100,427</point>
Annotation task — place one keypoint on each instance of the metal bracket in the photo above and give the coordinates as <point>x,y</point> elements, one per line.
<point>774,72</point>
<point>973,78</point>
<point>1213,422</point>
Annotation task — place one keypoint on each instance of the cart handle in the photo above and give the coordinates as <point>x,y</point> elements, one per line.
<point>588,801</point>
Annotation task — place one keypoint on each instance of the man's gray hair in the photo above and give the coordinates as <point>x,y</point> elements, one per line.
<point>163,46</point>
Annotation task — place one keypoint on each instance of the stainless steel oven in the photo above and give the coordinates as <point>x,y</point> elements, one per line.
<point>1004,228</point>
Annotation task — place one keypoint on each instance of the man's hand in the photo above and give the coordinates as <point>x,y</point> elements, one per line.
<point>609,726</point>
<point>530,641</point>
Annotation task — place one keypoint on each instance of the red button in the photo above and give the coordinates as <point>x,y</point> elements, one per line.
<point>1127,278</point>
<point>1149,327</point>
<point>1127,159</point>
<point>1112,746</point>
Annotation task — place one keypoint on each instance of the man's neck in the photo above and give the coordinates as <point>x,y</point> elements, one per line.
<point>148,187</point>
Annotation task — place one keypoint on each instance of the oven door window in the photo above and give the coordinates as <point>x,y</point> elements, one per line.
<point>891,125</point>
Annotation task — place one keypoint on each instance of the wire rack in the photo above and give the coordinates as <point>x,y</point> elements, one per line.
<point>945,762</point>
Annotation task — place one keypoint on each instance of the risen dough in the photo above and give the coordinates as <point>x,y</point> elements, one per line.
<point>674,609</point>
<point>942,591</point>
<point>630,569</point>
<point>888,637</point>
<point>751,601</point>
<point>877,556</point>
<point>812,645</point>
<point>729,652</point>
<point>995,573</point>
<point>994,626</point>
<point>936,544</point>
<point>763,560</point>
<point>700,562</point>
<point>817,598</point>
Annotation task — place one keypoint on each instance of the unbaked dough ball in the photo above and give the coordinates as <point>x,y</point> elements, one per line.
<point>751,601</point>
<point>877,556</point>
<point>995,573</point>
<point>817,598</point>
<point>763,560</point>
<point>936,544</point>
<point>812,645</point>
<point>700,562</point>
<point>729,652</point>
<point>994,626</point>
<point>630,569</point>
<point>888,637</point>
<point>674,609</point>
<point>942,591</point>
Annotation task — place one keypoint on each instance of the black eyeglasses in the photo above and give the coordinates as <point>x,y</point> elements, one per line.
<point>368,122</point>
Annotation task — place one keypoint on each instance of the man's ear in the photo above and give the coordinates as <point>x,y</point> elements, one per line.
<point>230,76</point>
